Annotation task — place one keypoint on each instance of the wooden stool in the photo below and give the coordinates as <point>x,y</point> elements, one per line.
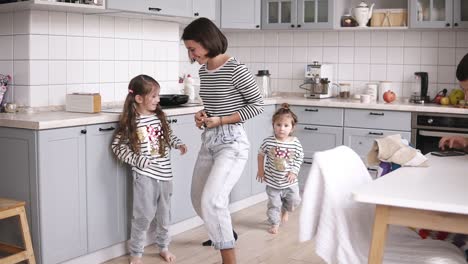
<point>10,208</point>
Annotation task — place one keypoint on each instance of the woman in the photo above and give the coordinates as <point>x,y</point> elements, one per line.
<point>230,97</point>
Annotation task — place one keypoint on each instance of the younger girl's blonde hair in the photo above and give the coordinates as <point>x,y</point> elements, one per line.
<point>141,85</point>
<point>284,110</point>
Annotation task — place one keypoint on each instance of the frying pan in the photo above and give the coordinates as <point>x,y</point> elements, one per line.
<point>172,99</point>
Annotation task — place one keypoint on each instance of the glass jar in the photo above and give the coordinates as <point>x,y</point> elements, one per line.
<point>263,82</point>
<point>345,90</point>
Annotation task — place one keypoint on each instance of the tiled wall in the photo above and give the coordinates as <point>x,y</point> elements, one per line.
<point>360,56</point>
<point>50,54</point>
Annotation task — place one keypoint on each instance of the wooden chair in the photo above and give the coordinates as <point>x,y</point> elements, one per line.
<point>10,208</point>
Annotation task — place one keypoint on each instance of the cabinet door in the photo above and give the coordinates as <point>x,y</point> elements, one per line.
<point>318,138</point>
<point>62,194</point>
<point>182,166</point>
<point>431,13</point>
<point>204,8</point>
<point>182,8</point>
<point>314,14</point>
<point>106,196</point>
<point>125,5</point>
<point>460,14</point>
<point>361,140</point>
<point>242,14</point>
<point>279,14</point>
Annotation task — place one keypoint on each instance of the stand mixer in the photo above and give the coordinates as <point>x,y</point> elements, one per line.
<point>318,79</point>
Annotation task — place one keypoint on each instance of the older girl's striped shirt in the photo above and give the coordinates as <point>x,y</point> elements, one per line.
<point>229,89</point>
<point>280,159</point>
<point>148,162</point>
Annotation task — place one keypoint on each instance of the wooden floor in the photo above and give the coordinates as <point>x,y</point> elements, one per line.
<point>255,244</point>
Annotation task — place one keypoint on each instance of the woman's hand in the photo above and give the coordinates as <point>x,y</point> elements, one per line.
<point>457,142</point>
<point>214,121</point>
<point>200,118</point>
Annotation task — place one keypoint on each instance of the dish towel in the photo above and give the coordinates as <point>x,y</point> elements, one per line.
<point>394,149</point>
<point>342,228</point>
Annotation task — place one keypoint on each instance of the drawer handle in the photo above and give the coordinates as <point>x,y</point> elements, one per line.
<point>307,162</point>
<point>311,110</point>
<point>376,114</point>
<point>311,128</point>
<point>83,131</point>
<point>157,9</point>
<point>376,133</point>
<point>107,129</point>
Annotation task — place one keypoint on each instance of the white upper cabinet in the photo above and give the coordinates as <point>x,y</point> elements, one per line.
<point>240,14</point>
<point>439,14</point>
<point>180,8</point>
<point>204,8</point>
<point>301,14</point>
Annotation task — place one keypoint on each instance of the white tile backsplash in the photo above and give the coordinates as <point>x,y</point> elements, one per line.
<point>6,52</point>
<point>6,22</point>
<point>57,23</point>
<point>75,24</point>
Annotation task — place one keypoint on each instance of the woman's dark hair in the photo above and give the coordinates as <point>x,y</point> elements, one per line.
<point>462,69</point>
<point>205,32</point>
<point>141,85</point>
<point>284,110</point>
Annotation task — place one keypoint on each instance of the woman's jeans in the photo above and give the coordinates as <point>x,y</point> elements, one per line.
<point>220,163</point>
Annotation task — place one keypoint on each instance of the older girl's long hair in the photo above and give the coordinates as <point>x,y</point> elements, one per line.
<point>140,85</point>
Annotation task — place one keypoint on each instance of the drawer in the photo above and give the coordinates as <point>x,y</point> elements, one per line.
<point>319,115</point>
<point>318,138</point>
<point>390,120</point>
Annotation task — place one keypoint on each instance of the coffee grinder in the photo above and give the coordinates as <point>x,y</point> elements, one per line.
<point>419,95</point>
<point>318,80</point>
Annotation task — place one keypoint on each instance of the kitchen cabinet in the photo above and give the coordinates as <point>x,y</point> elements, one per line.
<point>362,127</point>
<point>242,14</point>
<point>318,129</point>
<point>184,127</point>
<point>257,129</point>
<point>180,8</point>
<point>75,190</point>
<point>204,8</point>
<point>439,14</point>
<point>53,6</point>
<point>300,14</point>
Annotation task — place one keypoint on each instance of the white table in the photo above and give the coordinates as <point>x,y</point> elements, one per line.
<point>434,197</point>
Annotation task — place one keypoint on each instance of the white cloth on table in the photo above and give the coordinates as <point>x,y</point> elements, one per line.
<point>342,227</point>
<point>395,149</point>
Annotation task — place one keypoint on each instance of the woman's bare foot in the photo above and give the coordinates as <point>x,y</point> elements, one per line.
<point>273,229</point>
<point>284,216</point>
<point>167,255</point>
<point>136,260</point>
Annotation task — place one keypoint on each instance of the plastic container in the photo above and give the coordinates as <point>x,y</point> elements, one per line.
<point>263,82</point>
<point>189,89</point>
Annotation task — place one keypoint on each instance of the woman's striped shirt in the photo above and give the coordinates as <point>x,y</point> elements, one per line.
<point>280,159</point>
<point>148,162</point>
<point>229,89</point>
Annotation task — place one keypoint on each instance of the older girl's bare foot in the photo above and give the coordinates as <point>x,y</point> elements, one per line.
<point>273,229</point>
<point>136,260</point>
<point>167,256</point>
<point>284,216</point>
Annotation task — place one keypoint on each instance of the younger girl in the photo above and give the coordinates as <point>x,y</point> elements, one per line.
<point>144,140</point>
<point>284,156</point>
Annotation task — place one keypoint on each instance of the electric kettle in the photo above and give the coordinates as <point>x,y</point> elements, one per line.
<point>362,13</point>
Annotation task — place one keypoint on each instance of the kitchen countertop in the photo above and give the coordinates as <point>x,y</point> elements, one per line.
<point>59,119</point>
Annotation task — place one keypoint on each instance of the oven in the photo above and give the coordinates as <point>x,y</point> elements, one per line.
<point>428,128</point>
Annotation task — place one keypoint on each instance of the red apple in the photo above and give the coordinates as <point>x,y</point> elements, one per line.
<point>389,96</point>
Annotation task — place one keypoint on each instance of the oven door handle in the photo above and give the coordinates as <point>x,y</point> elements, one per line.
<point>428,133</point>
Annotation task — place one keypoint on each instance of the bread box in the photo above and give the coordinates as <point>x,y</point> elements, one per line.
<point>83,102</point>
<point>389,18</point>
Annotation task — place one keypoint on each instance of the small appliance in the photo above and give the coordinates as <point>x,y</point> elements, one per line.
<point>263,82</point>
<point>318,80</point>
<point>419,95</point>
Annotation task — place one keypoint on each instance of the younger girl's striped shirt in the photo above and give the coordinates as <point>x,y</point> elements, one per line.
<point>280,159</point>
<point>148,162</point>
<point>229,89</point>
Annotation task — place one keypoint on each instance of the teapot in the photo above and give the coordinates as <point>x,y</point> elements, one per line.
<point>362,13</point>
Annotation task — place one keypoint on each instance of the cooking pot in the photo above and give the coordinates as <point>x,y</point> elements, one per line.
<point>172,99</point>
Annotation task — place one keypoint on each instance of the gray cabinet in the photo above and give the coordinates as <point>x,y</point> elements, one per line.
<point>297,14</point>
<point>240,14</point>
<point>184,127</point>
<point>257,129</point>
<point>181,8</point>
<point>439,13</point>
<point>204,8</point>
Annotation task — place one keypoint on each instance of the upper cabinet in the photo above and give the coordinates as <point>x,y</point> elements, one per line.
<point>180,8</point>
<point>439,13</point>
<point>204,8</point>
<point>240,14</point>
<point>302,14</point>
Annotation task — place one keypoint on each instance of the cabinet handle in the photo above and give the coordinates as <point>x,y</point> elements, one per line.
<point>107,129</point>
<point>307,162</point>
<point>376,133</point>
<point>257,26</point>
<point>376,114</point>
<point>311,110</point>
<point>298,26</point>
<point>447,25</point>
<point>292,26</point>
<point>311,128</point>
<point>174,120</point>
<point>455,25</point>
<point>196,14</point>
<point>83,131</point>
<point>157,9</point>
